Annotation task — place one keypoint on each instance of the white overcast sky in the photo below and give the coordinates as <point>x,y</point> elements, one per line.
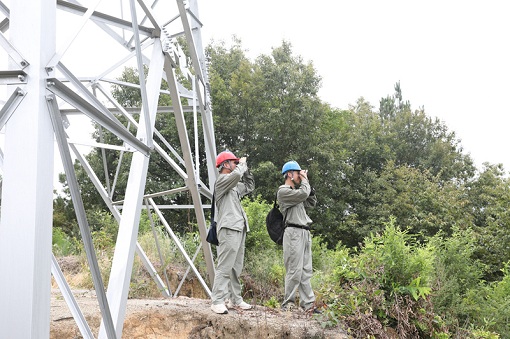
<point>452,57</point>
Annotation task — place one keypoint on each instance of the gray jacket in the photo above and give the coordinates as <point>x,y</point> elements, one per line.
<point>229,189</point>
<point>293,202</point>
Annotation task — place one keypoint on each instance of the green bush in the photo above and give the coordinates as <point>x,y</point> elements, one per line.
<point>171,264</point>
<point>385,284</point>
<point>488,306</point>
<point>63,244</point>
<point>257,239</point>
<point>272,302</point>
<point>319,253</point>
<point>264,271</point>
<point>264,274</point>
<point>433,289</point>
<point>455,273</point>
<point>398,263</point>
<point>169,250</point>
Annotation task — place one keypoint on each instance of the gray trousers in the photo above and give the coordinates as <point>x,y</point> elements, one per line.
<point>230,253</point>
<point>297,257</point>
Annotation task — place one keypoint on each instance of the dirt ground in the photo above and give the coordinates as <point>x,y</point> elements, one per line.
<point>184,317</point>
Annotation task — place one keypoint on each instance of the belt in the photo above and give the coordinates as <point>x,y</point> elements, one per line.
<point>299,226</point>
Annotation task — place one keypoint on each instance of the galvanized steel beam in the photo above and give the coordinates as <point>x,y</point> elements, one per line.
<point>34,80</point>
<point>27,189</point>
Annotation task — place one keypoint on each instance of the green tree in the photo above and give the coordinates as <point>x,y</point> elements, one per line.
<point>160,176</point>
<point>420,141</point>
<point>365,165</point>
<point>420,203</point>
<point>384,163</point>
<point>64,217</point>
<point>267,109</point>
<point>455,273</point>
<point>292,112</point>
<point>489,203</point>
<point>233,101</point>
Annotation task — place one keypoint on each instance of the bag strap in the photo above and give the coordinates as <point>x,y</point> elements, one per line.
<point>275,205</point>
<point>213,208</point>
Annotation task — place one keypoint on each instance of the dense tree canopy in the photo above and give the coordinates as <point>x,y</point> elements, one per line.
<point>112,166</point>
<point>367,165</point>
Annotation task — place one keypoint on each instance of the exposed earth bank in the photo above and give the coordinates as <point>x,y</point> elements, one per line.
<point>184,317</point>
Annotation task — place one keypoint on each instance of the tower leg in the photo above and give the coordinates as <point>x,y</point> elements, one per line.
<point>27,192</point>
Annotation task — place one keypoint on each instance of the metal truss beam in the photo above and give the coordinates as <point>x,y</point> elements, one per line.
<point>190,169</point>
<point>193,36</point>
<point>181,248</point>
<point>13,53</point>
<point>11,105</point>
<point>13,77</point>
<point>90,110</point>
<point>80,214</point>
<point>103,18</point>
<point>120,276</point>
<point>3,8</point>
<point>26,211</point>
<point>81,322</point>
<point>38,82</point>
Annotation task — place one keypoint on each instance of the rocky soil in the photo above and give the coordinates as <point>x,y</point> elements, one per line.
<point>185,317</point>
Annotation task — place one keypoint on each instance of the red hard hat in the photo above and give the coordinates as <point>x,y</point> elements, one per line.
<point>224,156</point>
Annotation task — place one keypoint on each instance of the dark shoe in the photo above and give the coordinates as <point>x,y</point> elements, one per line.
<point>289,307</point>
<point>313,310</point>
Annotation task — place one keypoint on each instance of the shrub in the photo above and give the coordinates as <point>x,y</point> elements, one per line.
<point>385,284</point>
<point>455,273</point>
<point>168,261</point>
<point>265,273</point>
<point>400,265</point>
<point>63,244</point>
<point>258,238</point>
<point>263,268</point>
<point>488,307</point>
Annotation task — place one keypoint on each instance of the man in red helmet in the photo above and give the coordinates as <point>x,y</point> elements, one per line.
<point>234,182</point>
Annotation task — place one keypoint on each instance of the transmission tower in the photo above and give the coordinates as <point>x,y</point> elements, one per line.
<point>61,60</point>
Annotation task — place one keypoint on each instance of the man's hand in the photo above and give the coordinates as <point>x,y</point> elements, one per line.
<point>242,160</point>
<point>304,174</point>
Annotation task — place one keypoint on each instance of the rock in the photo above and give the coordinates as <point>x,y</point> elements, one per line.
<point>184,317</point>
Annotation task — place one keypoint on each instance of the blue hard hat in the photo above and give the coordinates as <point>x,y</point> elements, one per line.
<point>290,166</point>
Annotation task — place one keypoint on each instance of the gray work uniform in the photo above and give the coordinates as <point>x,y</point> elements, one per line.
<point>232,225</point>
<point>297,243</point>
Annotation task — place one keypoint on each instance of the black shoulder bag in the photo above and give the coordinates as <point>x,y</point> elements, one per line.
<point>275,223</point>
<point>212,237</point>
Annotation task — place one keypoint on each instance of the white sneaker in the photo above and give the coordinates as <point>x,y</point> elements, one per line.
<point>244,306</point>
<point>219,308</point>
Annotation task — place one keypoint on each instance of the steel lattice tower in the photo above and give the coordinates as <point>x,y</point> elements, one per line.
<point>55,71</point>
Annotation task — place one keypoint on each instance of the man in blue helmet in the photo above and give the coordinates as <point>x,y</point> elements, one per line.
<point>294,196</point>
